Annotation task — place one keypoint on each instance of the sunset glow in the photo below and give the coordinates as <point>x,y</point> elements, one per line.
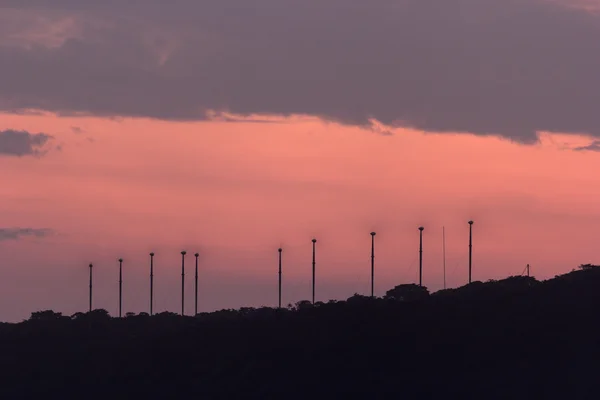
<point>235,192</point>
<point>128,129</point>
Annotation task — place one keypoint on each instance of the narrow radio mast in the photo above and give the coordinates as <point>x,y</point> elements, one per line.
<point>151,281</point>
<point>196,286</point>
<point>183,253</point>
<point>444,252</point>
<point>279,251</point>
<point>91,267</point>
<point>527,269</point>
<point>470,247</point>
<point>421,256</point>
<point>120,286</point>
<point>314,241</point>
<point>372,264</point>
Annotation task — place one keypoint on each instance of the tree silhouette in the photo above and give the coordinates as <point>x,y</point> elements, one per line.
<point>304,305</point>
<point>407,292</point>
<point>409,344</point>
<point>359,299</point>
<point>46,315</point>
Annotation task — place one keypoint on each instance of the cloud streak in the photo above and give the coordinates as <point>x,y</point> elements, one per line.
<point>489,67</point>
<point>593,146</point>
<point>19,233</point>
<point>22,143</point>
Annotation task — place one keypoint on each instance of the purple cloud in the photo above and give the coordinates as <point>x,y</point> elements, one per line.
<point>594,146</point>
<point>489,67</point>
<point>18,233</point>
<point>22,143</point>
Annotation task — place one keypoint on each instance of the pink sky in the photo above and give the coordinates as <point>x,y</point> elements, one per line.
<point>235,192</point>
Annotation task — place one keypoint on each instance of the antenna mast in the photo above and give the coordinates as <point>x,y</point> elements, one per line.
<point>151,281</point>
<point>280,250</point>
<point>91,267</point>
<point>470,247</point>
<point>182,280</point>
<point>421,256</point>
<point>120,286</point>
<point>314,241</point>
<point>372,264</point>
<point>444,252</point>
<point>196,286</point>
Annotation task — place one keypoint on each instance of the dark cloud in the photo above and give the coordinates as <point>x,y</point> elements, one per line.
<point>594,146</point>
<point>18,233</point>
<point>501,67</point>
<point>22,143</point>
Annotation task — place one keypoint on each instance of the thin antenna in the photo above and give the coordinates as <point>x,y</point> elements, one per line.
<point>151,281</point>
<point>421,256</point>
<point>91,267</point>
<point>183,253</point>
<point>314,242</point>
<point>444,252</point>
<point>120,286</point>
<point>527,269</point>
<point>196,286</point>
<point>470,247</point>
<point>280,250</point>
<point>372,264</point>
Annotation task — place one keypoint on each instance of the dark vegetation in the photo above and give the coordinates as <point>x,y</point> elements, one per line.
<point>516,338</point>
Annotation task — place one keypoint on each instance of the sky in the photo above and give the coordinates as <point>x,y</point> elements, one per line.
<point>232,128</point>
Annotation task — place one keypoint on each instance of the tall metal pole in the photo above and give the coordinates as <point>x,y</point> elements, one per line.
<point>372,264</point>
<point>196,286</point>
<point>527,269</point>
<point>151,281</point>
<point>470,247</point>
<point>421,256</point>
<point>183,253</point>
<point>120,286</point>
<point>444,252</point>
<point>279,250</point>
<point>314,241</point>
<point>91,267</point>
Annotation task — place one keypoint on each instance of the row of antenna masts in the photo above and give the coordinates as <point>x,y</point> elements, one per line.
<point>280,251</point>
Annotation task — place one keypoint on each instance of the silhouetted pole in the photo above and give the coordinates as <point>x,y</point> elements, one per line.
<point>470,247</point>
<point>314,242</point>
<point>196,286</point>
<point>151,281</point>
<point>527,269</point>
<point>183,253</point>
<point>279,250</point>
<point>421,256</point>
<point>91,267</point>
<point>372,264</point>
<point>444,252</point>
<point>120,286</point>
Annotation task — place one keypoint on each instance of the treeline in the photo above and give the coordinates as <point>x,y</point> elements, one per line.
<point>513,338</point>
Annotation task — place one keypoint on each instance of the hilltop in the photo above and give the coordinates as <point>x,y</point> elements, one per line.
<point>513,338</point>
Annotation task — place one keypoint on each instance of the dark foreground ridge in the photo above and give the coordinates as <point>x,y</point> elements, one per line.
<point>516,338</point>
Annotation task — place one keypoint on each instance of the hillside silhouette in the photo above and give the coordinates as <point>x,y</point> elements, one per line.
<point>515,338</point>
